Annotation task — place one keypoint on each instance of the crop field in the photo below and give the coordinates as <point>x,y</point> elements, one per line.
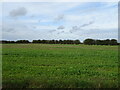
<point>59,66</point>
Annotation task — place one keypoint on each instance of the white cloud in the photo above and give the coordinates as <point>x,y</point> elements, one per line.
<point>61,27</point>
<point>43,20</point>
<point>18,12</point>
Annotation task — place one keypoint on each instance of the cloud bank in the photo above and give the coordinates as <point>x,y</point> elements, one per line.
<point>18,12</point>
<point>70,20</point>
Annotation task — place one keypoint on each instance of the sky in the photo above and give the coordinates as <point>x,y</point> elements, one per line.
<point>59,20</point>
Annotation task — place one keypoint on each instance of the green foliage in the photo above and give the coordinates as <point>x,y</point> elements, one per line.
<point>59,66</point>
<point>57,41</point>
<point>22,41</point>
<point>100,42</point>
<point>86,42</point>
<point>89,42</point>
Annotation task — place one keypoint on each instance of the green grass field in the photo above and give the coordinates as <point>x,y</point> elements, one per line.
<point>59,66</point>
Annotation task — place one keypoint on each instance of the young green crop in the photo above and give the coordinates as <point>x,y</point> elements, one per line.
<point>59,66</point>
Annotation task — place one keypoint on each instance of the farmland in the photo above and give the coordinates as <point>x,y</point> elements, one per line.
<point>59,66</point>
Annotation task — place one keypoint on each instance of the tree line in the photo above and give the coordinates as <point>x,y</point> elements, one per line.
<point>45,41</point>
<point>86,41</point>
<point>101,42</point>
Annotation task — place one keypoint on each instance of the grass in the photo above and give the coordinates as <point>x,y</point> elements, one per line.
<point>59,66</point>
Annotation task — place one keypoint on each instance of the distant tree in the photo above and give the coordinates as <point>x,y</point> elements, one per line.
<point>113,42</point>
<point>60,41</point>
<point>22,41</point>
<point>106,42</point>
<point>89,42</point>
<point>12,42</point>
<point>57,42</point>
<point>77,42</point>
<point>86,41</point>
<point>53,42</point>
<point>39,41</point>
<point>43,41</point>
<point>4,41</point>
<point>34,41</point>
<point>98,42</point>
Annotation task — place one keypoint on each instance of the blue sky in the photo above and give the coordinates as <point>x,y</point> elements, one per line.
<point>60,20</point>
